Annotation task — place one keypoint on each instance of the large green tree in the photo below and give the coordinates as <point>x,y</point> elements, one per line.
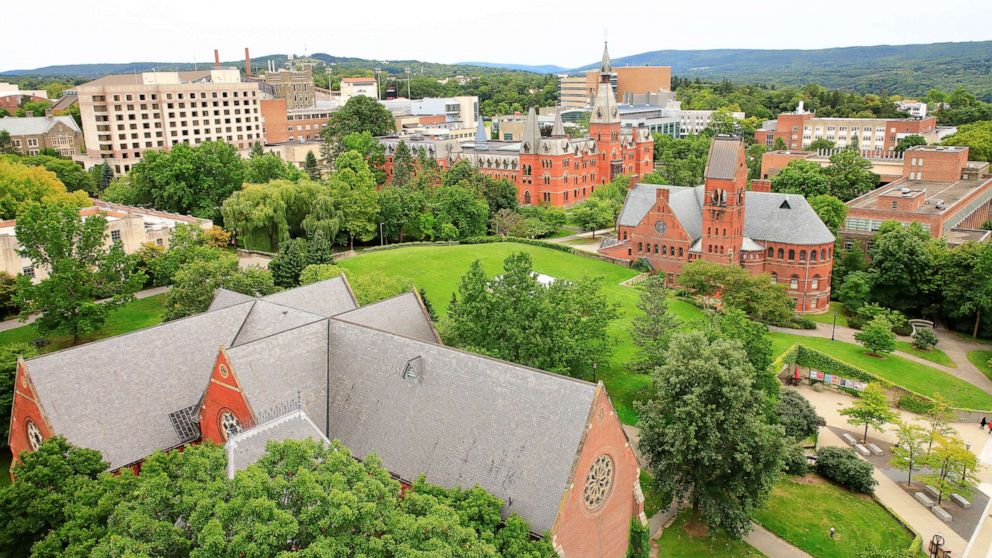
<point>965,286</point>
<point>359,115</point>
<point>849,174</point>
<point>705,434</point>
<point>356,199</point>
<point>653,328</point>
<point>905,274</point>
<point>977,137</point>
<point>82,270</point>
<point>831,210</point>
<point>22,185</point>
<point>802,177</point>
<point>196,282</point>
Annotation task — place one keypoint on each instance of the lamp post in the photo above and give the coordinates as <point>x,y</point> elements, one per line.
<point>407,71</point>
<point>833,332</point>
<point>594,379</point>
<point>378,70</point>
<point>382,239</point>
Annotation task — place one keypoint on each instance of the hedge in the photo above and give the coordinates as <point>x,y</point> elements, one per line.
<point>811,358</point>
<point>915,404</point>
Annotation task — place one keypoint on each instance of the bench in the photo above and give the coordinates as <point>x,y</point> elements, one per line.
<point>961,501</point>
<point>848,438</point>
<point>875,449</point>
<point>923,499</point>
<point>862,450</point>
<point>943,515</point>
<point>932,491</point>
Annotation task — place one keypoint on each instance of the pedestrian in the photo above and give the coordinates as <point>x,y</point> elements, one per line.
<point>832,532</point>
<point>984,422</point>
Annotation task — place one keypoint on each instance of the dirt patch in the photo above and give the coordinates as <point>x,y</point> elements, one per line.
<point>809,479</point>
<point>696,528</point>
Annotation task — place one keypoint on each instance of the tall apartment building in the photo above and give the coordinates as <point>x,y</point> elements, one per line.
<point>800,128</point>
<point>126,115</point>
<point>573,92</point>
<point>296,86</point>
<point>579,91</point>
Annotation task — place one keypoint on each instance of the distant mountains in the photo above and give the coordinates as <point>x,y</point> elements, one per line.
<point>539,69</point>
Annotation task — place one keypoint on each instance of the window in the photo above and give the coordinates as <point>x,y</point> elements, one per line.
<point>229,424</point>
<point>158,242</point>
<point>115,236</point>
<point>34,436</point>
<point>794,282</point>
<point>792,254</point>
<point>28,271</point>
<point>781,253</point>
<point>812,255</point>
<point>815,283</point>
<point>599,482</point>
<point>771,252</point>
<point>802,255</point>
<point>774,278</point>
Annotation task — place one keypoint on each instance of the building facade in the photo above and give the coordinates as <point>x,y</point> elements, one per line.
<point>888,165</point>
<point>295,86</point>
<point>722,222</point>
<point>579,91</point>
<point>281,124</point>
<point>948,195</point>
<point>358,86</point>
<point>30,134</point>
<point>125,115</point>
<point>313,357</point>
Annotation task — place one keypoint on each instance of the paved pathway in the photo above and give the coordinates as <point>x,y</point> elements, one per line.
<point>15,323</point>
<point>579,236</point>
<point>771,546</point>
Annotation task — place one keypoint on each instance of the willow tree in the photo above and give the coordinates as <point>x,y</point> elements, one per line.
<point>257,214</point>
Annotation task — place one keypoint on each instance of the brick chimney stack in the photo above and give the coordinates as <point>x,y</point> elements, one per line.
<point>216,59</point>
<point>247,63</point>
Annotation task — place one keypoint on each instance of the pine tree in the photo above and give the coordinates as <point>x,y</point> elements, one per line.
<point>106,175</point>
<point>310,166</point>
<point>256,150</point>
<point>652,329</point>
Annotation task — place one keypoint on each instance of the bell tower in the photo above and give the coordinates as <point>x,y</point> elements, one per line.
<point>604,125</point>
<point>723,201</point>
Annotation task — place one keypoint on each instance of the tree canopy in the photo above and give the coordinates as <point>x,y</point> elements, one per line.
<point>22,185</point>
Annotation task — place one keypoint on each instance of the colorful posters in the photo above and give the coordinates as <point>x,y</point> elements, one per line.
<point>835,380</point>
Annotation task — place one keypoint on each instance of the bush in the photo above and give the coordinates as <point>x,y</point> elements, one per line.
<point>925,339</point>
<point>915,404</point>
<point>797,416</point>
<point>795,461</point>
<point>318,272</point>
<point>841,465</point>
<point>640,546</point>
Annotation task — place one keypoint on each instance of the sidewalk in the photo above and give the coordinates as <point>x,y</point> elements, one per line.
<point>770,545</point>
<point>15,323</point>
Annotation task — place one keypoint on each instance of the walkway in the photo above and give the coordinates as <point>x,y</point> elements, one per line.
<point>15,323</point>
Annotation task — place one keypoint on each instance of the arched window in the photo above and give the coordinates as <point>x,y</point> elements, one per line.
<point>823,254</point>
<point>640,247</point>
<point>794,282</point>
<point>34,436</point>
<point>815,283</point>
<point>774,278</point>
<point>781,253</point>
<point>792,255</point>
<point>802,255</point>
<point>625,235</point>
<point>812,255</point>
<point>664,250</point>
<point>527,198</point>
<point>771,252</point>
<point>680,252</point>
<point>229,424</point>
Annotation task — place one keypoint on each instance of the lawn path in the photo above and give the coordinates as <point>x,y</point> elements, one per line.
<point>771,545</point>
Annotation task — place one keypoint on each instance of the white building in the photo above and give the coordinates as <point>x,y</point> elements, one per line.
<point>916,109</point>
<point>358,87</point>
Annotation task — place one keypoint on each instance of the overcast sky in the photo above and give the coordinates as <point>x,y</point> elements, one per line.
<point>568,33</point>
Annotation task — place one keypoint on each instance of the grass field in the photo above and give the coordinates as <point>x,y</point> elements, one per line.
<point>934,355</point>
<point>981,361</point>
<point>913,376</point>
<point>828,316</point>
<point>133,315</point>
<point>438,270</point>
<point>677,543</point>
<point>802,513</point>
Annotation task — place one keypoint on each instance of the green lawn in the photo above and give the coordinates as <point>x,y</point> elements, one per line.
<point>913,376</point>
<point>438,270</point>
<point>676,543</point>
<point>981,361</point>
<point>803,514</point>
<point>133,315</point>
<point>934,355</point>
<point>828,316</point>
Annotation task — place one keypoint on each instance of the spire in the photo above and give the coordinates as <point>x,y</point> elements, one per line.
<point>558,130</point>
<point>480,132</point>
<point>605,66</point>
<point>532,132</point>
<point>604,107</point>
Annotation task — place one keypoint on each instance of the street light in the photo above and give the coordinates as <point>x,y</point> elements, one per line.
<point>378,70</point>
<point>833,332</point>
<point>594,379</point>
<point>407,71</point>
<point>382,239</point>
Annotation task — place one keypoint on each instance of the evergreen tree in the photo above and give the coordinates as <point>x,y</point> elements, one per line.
<point>402,165</point>
<point>653,329</point>
<point>106,175</point>
<point>289,263</point>
<point>310,166</point>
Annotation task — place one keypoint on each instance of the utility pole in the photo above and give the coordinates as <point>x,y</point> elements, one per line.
<point>408,71</point>
<point>378,70</point>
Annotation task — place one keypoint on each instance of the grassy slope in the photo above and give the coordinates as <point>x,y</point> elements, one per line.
<point>803,514</point>
<point>981,361</point>
<point>134,315</point>
<point>676,543</point>
<point>438,269</point>
<point>934,355</point>
<point>911,375</point>
<point>828,316</point>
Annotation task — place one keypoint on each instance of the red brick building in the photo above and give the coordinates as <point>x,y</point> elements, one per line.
<point>310,363</point>
<point>555,170</point>
<point>723,222</point>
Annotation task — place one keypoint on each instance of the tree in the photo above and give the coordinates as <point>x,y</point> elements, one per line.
<point>877,337</point>
<point>842,466</point>
<point>71,175</point>
<point>314,273</point>
<point>779,145</point>
<point>356,199</point>
<point>902,259</point>
<point>856,290</point>
<point>797,416</point>
<point>400,210</point>
<point>462,208</point>
<point>906,142</point>
<point>22,185</point>
<point>821,143</point>
<point>9,354</point>
<point>907,454</point>
<point>965,290</point>
<point>802,177</point>
<point>952,466</point>
<point>733,323</point>
<point>81,270</point>
<point>289,263</point>
<point>871,409</point>
<point>370,148</point>
<point>106,175</point>
<point>924,339</point>
<point>374,286</point>
<point>756,295</point>
<point>506,222</point>
<point>260,169</point>
<point>6,143</point>
<point>310,166</point>
<point>359,114</point>
<point>849,174</point>
<point>402,165</point>
<point>195,284</point>
<point>938,418</point>
<point>977,137</point>
<point>830,210</point>
<point>705,435</point>
<point>653,328</point>
<point>593,214</point>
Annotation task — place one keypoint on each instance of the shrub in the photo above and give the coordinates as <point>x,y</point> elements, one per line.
<point>640,546</point>
<point>842,466</point>
<point>877,336</point>
<point>797,416</point>
<point>217,237</point>
<point>925,339</point>
<point>795,461</point>
<point>915,404</point>
<point>318,272</point>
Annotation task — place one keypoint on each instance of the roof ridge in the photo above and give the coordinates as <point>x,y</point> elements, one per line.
<point>294,328</point>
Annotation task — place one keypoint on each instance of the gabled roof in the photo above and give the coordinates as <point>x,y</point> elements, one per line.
<point>245,448</point>
<point>686,203</point>
<point>35,125</point>
<point>403,315</point>
<point>116,395</point>
<point>461,420</point>
<point>267,318</point>
<point>324,298</point>
<point>721,163</point>
<point>224,298</point>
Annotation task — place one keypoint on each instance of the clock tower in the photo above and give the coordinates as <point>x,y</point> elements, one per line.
<point>723,201</point>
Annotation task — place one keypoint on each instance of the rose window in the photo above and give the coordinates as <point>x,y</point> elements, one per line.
<point>599,481</point>
<point>229,424</point>
<point>34,436</point>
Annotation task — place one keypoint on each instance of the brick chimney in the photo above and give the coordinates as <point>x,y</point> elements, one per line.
<point>247,63</point>
<point>762,185</point>
<point>216,59</point>
<point>662,194</point>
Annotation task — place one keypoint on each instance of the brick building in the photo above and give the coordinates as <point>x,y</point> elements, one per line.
<point>281,124</point>
<point>580,91</point>
<point>950,196</point>
<point>722,222</point>
<point>310,363</point>
<point>30,134</point>
<point>295,86</point>
<point>556,170</point>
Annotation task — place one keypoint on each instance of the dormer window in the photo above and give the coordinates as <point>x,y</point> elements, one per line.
<point>414,370</point>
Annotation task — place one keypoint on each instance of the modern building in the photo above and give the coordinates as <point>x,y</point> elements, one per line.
<point>916,109</point>
<point>888,165</point>
<point>801,128</point>
<point>950,196</point>
<point>376,377</point>
<point>295,86</point>
<point>133,227</point>
<point>281,124</point>
<point>440,117</point>
<point>625,80</point>
<point>125,115</point>
<point>30,134</point>
<point>556,170</point>
<point>573,92</point>
<point>722,222</point>
<point>358,86</point>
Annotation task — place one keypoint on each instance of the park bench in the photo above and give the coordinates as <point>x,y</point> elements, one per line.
<point>961,501</point>
<point>943,515</point>
<point>932,491</point>
<point>862,450</point>
<point>848,438</point>
<point>875,449</point>
<point>923,499</point>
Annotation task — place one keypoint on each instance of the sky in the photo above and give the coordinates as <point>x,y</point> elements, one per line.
<point>567,33</point>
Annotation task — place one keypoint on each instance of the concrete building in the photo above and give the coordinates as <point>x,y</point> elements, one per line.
<point>438,117</point>
<point>888,165</point>
<point>30,134</point>
<point>624,80</point>
<point>14,89</point>
<point>573,92</point>
<point>916,109</point>
<point>131,226</point>
<point>358,86</point>
<point>950,196</point>
<point>723,222</point>
<point>295,86</point>
<point>800,128</point>
<point>294,152</point>
<point>376,377</point>
<point>125,115</point>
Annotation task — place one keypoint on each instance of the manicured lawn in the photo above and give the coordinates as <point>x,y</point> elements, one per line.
<point>438,270</point>
<point>803,513</point>
<point>934,355</point>
<point>913,376</point>
<point>134,315</point>
<point>675,542</point>
<point>981,361</point>
<point>828,316</point>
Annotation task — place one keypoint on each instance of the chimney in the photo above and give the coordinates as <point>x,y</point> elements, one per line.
<point>762,185</point>
<point>216,59</point>
<point>247,63</point>
<point>48,113</point>
<point>662,194</point>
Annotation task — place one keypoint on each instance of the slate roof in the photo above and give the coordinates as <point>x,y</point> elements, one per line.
<point>34,125</point>
<point>267,318</point>
<point>723,158</point>
<point>116,395</point>
<point>247,447</point>
<point>402,315</point>
<point>325,298</point>
<point>224,298</point>
<point>463,420</point>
